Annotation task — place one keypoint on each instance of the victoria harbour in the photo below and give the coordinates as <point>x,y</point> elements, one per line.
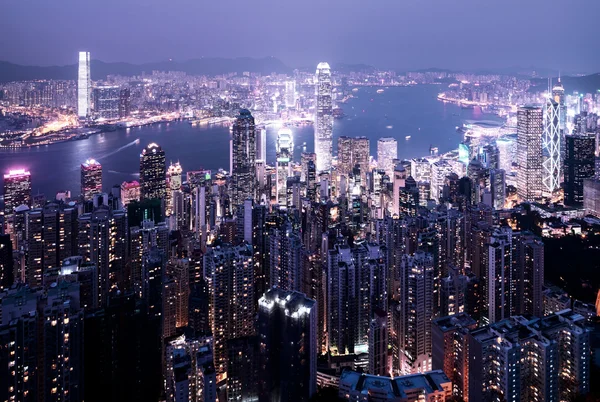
<point>396,112</point>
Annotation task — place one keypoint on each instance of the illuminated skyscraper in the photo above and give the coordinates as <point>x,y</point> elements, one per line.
<point>285,154</point>
<point>529,152</point>
<point>290,94</point>
<point>387,151</point>
<point>130,191</point>
<point>324,118</point>
<point>173,184</point>
<point>91,179</point>
<point>551,143</point>
<point>153,179</point>
<point>17,190</point>
<point>352,152</point>
<point>558,95</point>
<point>243,158</point>
<point>84,86</point>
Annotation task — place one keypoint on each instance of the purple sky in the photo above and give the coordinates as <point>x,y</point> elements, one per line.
<point>404,34</point>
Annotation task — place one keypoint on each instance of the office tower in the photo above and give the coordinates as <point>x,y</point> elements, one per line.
<point>490,156</point>
<point>17,190</point>
<point>558,96</point>
<point>532,359</point>
<point>285,155</point>
<point>420,169</point>
<point>306,157</point>
<point>287,329</point>
<point>529,153</point>
<point>174,183</point>
<point>579,165</point>
<point>84,86</point>
<point>107,99</point>
<point>591,196</point>
<point>311,181</point>
<point>415,312</point>
<point>243,369</point>
<point>290,94</point>
<point>124,102</point>
<point>91,179</point>
<point>102,240</point>
<point>243,158</point>
<point>353,152</point>
<point>230,272</point>
<point>506,153</point>
<point>7,276</point>
<point>378,344</point>
<point>324,118</point>
<point>551,146</point>
<point>153,184</point>
<point>450,349</point>
<point>387,152</point>
<point>130,191</point>
<point>189,371</point>
<point>430,386</point>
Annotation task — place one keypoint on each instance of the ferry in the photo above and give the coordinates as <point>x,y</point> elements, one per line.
<point>380,91</point>
<point>407,137</point>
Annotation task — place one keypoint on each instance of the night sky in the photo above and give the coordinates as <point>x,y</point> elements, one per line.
<point>468,34</point>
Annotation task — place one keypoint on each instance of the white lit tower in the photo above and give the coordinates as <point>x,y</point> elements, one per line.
<point>174,182</point>
<point>551,146</point>
<point>290,94</point>
<point>324,118</point>
<point>84,86</point>
<point>285,149</point>
<point>387,151</point>
<point>558,94</point>
<point>530,128</point>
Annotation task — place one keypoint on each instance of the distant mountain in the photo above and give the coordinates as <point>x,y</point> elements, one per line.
<point>100,69</point>
<point>582,84</point>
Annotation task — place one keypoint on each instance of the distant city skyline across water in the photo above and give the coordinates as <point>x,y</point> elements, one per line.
<point>397,112</point>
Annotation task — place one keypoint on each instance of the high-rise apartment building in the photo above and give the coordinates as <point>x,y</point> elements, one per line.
<point>285,155</point>
<point>287,329</point>
<point>324,118</point>
<point>243,158</point>
<point>91,179</point>
<point>153,180</point>
<point>230,271</point>
<point>530,128</point>
<point>84,86</point>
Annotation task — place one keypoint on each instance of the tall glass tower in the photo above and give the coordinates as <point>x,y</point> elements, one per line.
<point>324,118</point>
<point>530,128</point>
<point>243,158</point>
<point>551,146</point>
<point>84,86</point>
<point>91,179</point>
<point>153,176</point>
<point>285,149</point>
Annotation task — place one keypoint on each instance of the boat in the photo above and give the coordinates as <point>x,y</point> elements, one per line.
<point>380,91</point>
<point>407,137</point>
<point>389,127</point>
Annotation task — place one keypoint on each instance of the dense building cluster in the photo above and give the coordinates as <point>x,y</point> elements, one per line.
<point>387,279</point>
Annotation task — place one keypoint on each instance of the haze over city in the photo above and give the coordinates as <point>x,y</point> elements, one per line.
<point>394,34</point>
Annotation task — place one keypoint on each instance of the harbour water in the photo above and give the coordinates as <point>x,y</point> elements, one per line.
<point>396,112</point>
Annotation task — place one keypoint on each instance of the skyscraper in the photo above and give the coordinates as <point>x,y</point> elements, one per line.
<point>243,158</point>
<point>174,183</point>
<point>84,86</point>
<point>324,118</point>
<point>17,190</point>
<point>285,154</point>
<point>91,179</point>
<point>153,179</point>
<point>352,152</point>
<point>551,143</point>
<point>287,328</point>
<point>529,152</point>
<point>387,151</point>
<point>290,94</point>
<point>579,165</point>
